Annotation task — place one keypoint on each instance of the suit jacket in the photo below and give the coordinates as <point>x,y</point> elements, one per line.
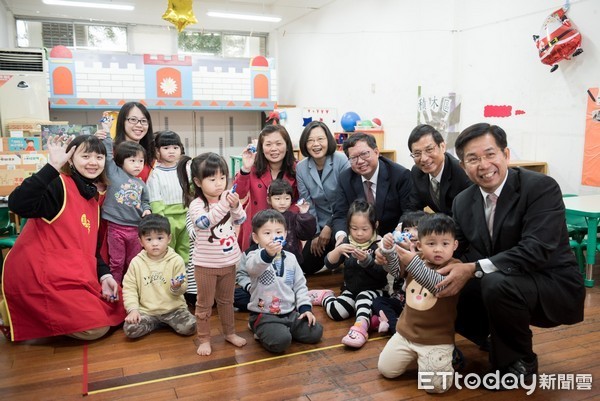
<point>394,184</point>
<point>529,238</point>
<point>453,181</point>
<point>321,190</point>
<point>257,187</point>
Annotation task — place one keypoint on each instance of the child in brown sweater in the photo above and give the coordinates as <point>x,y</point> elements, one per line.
<point>425,329</point>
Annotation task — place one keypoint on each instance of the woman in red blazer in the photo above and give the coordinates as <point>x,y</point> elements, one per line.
<point>273,159</point>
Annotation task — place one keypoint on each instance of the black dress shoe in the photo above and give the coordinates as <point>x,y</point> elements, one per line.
<point>486,345</point>
<point>525,368</point>
<point>522,369</point>
<point>458,360</point>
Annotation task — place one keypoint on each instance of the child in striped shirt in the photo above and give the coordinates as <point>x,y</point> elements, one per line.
<point>214,211</point>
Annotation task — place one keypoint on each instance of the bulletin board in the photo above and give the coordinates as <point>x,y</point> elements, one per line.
<point>441,111</point>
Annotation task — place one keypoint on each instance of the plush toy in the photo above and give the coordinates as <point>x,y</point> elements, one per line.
<point>400,236</point>
<point>280,240</point>
<point>558,40</point>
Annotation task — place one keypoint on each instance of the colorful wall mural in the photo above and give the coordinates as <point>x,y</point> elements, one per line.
<point>84,80</point>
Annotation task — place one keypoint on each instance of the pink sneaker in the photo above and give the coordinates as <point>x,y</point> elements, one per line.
<point>317,296</point>
<point>384,324</point>
<point>357,336</point>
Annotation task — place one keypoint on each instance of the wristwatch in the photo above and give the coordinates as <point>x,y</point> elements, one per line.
<point>478,270</point>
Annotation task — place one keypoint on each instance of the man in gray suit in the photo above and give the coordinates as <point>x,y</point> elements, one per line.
<point>519,269</point>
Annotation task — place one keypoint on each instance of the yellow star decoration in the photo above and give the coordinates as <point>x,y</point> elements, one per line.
<point>180,13</point>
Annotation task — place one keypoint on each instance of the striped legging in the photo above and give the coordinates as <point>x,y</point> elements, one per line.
<point>347,304</point>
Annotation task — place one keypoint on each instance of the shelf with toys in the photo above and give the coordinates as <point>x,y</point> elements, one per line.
<point>340,137</point>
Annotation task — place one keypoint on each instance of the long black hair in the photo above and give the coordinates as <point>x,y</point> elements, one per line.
<point>147,141</point>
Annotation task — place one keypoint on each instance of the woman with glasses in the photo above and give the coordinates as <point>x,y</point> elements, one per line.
<point>317,175</point>
<point>135,124</point>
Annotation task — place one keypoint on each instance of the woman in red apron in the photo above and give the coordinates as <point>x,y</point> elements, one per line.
<point>53,283</point>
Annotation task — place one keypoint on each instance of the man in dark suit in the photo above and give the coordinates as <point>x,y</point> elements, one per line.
<point>519,272</point>
<point>376,179</point>
<point>437,176</point>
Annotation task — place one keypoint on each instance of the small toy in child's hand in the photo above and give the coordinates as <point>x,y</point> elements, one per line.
<point>106,121</point>
<point>233,188</point>
<point>105,117</point>
<point>178,280</point>
<point>280,239</point>
<point>301,202</point>
<point>400,236</point>
<point>252,148</point>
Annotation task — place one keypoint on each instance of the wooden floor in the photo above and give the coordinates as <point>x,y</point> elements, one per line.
<point>164,366</point>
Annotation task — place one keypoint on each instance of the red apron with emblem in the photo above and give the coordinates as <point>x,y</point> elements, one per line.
<point>50,280</point>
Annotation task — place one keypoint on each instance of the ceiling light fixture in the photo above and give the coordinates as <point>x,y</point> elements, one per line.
<point>111,6</point>
<point>248,17</point>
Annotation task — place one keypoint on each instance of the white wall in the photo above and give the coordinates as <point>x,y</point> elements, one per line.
<point>6,21</point>
<point>499,64</point>
<point>480,49</point>
<point>370,58</point>
<point>152,39</point>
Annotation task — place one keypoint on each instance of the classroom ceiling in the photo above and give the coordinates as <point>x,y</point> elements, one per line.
<point>149,12</point>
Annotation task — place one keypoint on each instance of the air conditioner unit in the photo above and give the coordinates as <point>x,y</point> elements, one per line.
<point>23,86</point>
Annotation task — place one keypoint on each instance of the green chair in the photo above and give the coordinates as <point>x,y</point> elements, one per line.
<point>577,226</point>
<point>578,248</point>
<point>236,165</point>
<point>7,227</point>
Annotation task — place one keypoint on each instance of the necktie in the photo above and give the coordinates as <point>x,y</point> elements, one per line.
<point>435,191</point>
<point>369,192</point>
<point>490,210</point>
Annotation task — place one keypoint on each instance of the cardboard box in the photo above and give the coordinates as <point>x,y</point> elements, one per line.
<point>16,166</point>
<point>24,128</point>
<point>10,179</point>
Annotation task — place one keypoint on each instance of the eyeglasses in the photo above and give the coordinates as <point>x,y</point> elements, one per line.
<point>476,160</point>
<point>430,150</point>
<point>135,120</point>
<point>363,156</point>
<point>320,139</point>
